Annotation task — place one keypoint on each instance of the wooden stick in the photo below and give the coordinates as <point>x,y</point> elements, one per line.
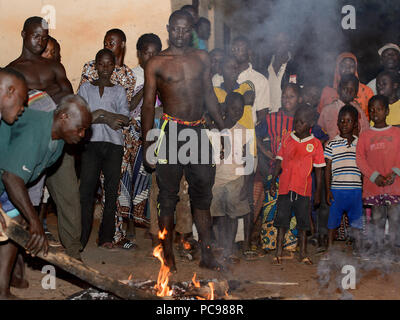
<point>276,283</point>
<point>20,235</point>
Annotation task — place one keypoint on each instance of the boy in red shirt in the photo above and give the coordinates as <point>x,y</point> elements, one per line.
<point>298,153</point>
<point>378,158</point>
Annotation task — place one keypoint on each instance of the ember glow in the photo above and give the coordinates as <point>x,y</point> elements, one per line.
<point>130,277</point>
<point>163,276</point>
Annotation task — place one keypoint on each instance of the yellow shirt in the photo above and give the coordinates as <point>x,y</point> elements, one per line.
<point>394,114</point>
<point>393,119</point>
<point>247,119</point>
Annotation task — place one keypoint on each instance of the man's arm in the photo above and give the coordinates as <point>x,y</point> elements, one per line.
<point>19,196</point>
<point>149,100</point>
<point>136,100</point>
<point>210,97</point>
<point>63,87</point>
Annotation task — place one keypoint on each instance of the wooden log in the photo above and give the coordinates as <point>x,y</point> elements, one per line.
<point>20,235</point>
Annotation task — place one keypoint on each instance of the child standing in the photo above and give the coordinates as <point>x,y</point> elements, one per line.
<point>387,84</point>
<point>378,159</point>
<point>347,90</point>
<point>269,133</point>
<point>298,153</point>
<point>109,106</point>
<point>230,200</point>
<point>343,177</point>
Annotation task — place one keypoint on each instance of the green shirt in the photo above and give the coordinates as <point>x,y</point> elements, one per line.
<point>26,147</point>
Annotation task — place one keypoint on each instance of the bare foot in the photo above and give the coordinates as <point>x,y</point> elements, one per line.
<point>19,283</point>
<point>9,296</point>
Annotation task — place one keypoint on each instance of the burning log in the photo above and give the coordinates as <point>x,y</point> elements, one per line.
<point>20,235</point>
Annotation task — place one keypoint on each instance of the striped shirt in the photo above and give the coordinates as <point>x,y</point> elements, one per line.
<point>345,173</point>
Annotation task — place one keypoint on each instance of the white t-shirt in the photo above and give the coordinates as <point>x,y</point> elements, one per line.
<point>234,164</point>
<point>262,94</point>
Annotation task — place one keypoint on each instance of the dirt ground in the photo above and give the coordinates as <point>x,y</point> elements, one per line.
<point>374,280</point>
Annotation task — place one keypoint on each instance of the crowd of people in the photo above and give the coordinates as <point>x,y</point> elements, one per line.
<point>298,163</point>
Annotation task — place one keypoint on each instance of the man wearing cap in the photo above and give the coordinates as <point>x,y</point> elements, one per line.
<point>390,60</point>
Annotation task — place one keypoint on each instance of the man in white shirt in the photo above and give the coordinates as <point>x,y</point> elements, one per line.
<point>390,60</point>
<point>281,70</point>
<point>241,51</point>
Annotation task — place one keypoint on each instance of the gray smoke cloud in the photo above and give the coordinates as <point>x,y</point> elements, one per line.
<point>314,27</point>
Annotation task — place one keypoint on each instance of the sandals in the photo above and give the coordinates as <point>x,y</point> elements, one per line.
<point>276,261</point>
<point>307,261</point>
<point>232,259</point>
<point>125,244</point>
<point>250,255</point>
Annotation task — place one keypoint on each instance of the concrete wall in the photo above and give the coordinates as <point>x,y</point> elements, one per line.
<point>81,25</point>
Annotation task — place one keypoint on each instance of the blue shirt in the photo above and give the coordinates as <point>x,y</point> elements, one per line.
<point>26,147</point>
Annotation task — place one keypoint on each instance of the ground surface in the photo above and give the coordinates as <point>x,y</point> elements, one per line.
<point>322,280</point>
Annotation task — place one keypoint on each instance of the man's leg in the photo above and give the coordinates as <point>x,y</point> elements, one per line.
<point>168,180</point>
<point>90,173</point>
<point>64,189</point>
<point>201,180</point>
<point>184,221</point>
<point>8,254</point>
<point>248,218</point>
<point>112,173</point>
<point>153,211</point>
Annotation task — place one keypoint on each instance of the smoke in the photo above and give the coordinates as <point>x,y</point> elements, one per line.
<point>380,261</point>
<point>314,27</point>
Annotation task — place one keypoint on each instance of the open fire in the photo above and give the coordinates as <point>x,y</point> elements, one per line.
<point>162,285</point>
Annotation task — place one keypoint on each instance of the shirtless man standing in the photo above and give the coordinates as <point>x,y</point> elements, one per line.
<point>49,76</point>
<point>181,76</point>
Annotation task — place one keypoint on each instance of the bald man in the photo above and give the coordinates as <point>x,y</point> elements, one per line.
<point>13,94</point>
<point>35,142</point>
<point>48,84</point>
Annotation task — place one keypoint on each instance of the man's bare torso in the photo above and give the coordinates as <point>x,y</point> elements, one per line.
<point>40,74</point>
<point>180,83</point>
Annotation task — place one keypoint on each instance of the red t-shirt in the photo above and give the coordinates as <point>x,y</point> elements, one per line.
<point>298,158</point>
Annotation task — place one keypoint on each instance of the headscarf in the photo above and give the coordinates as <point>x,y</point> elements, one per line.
<point>339,59</point>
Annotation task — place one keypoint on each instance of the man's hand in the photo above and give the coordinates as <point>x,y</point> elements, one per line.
<point>3,223</point>
<point>329,197</point>
<point>115,122</point>
<point>147,166</point>
<point>38,240</point>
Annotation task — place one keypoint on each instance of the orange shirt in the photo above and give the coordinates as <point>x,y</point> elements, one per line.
<point>363,95</point>
<point>298,159</point>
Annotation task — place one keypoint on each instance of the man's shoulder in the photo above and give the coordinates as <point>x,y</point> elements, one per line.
<point>31,115</point>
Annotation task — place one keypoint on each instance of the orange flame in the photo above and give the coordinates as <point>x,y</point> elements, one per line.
<point>163,276</point>
<point>195,282</point>
<point>162,235</point>
<point>130,277</point>
<point>211,296</point>
<point>186,245</point>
